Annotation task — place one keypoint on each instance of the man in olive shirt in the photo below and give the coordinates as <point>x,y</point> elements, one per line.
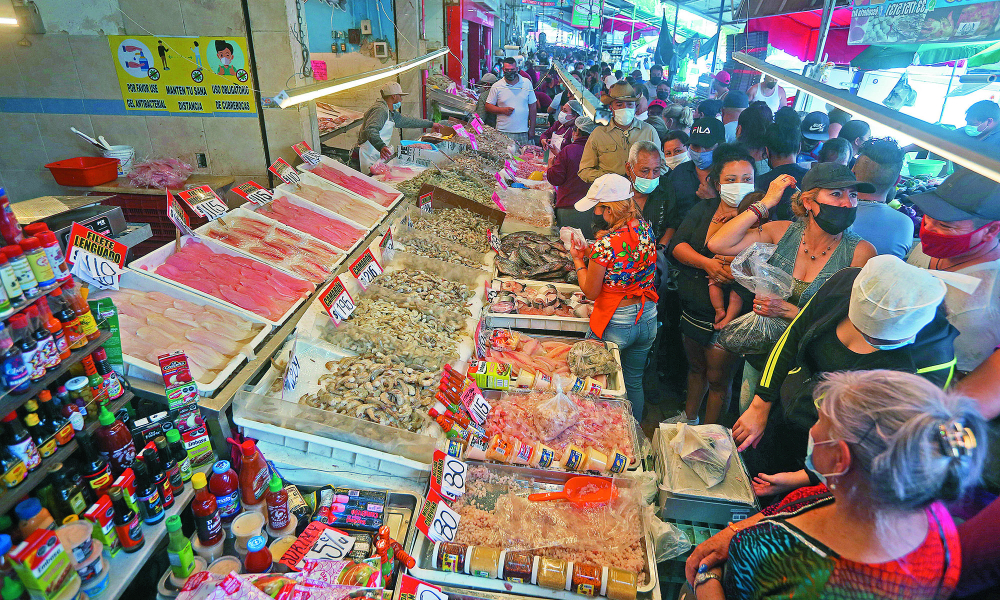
<point>608,146</point>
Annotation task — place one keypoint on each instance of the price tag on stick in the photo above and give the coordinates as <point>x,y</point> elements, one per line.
<point>366,268</point>
<point>251,191</point>
<point>448,475</point>
<point>284,171</point>
<point>177,216</point>
<point>426,202</point>
<point>337,301</point>
<point>204,202</point>
<point>307,154</point>
<point>438,521</point>
<point>100,258</point>
<point>386,246</point>
<point>414,589</point>
<point>292,370</point>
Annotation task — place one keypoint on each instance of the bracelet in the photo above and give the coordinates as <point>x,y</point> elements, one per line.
<point>733,527</point>
<point>760,209</point>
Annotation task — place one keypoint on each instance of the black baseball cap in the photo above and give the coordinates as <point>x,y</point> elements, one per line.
<point>962,196</point>
<point>710,107</point>
<point>707,132</point>
<point>735,99</point>
<point>832,176</point>
<point>816,126</point>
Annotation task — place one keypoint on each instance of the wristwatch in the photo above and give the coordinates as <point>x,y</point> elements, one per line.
<point>703,577</point>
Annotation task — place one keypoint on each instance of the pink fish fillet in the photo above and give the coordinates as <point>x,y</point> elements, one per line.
<point>205,356</point>
<point>355,184</point>
<point>247,302</point>
<point>343,204</point>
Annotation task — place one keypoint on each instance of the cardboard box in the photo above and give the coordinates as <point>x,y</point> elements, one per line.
<point>41,563</point>
<point>444,199</point>
<point>102,515</point>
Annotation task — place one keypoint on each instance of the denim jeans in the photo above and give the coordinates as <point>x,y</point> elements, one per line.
<point>634,341</point>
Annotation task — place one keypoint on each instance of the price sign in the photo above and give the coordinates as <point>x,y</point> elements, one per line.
<point>332,544</point>
<point>177,216</point>
<point>460,130</point>
<point>366,268</point>
<point>418,590</point>
<point>448,475</point>
<point>438,521</point>
<point>251,191</point>
<point>204,202</point>
<point>494,240</point>
<point>476,405</point>
<point>102,258</point>
<point>95,270</point>
<point>425,202</point>
<point>500,180</point>
<point>498,202</point>
<point>284,171</point>
<point>307,154</point>
<point>337,301</point>
<point>472,140</point>
<point>291,378</point>
<point>426,592</point>
<point>406,221</point>
<point>476,124</point>
<point>387,249</point>
<point>510,169</point>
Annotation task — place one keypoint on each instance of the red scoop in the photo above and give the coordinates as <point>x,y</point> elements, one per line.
<point>582,491</point>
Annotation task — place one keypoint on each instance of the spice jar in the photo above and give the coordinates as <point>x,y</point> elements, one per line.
<point>450,556</point>
<point>477,447</point>
<point>587,579</point>
<point>501,449</point>
<point>572,459</point>
<point>619,584</point>
<point>79,388</point>
<point>617,461</point>
<point>552,573</point>
<point>517,566</point>
<point>595,460</point>
<point>543,456</point>
<point>484,562</point>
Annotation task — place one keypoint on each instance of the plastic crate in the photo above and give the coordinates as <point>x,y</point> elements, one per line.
<point>671,572</point>
<point>153,210</point>
<point>84,171</point>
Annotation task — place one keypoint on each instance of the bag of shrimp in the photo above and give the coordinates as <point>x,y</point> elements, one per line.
<point>555,415</point>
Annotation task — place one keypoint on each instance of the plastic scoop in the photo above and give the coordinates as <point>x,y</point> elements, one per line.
<point>582,491</point>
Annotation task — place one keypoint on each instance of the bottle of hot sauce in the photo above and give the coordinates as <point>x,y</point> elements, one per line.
<point>88,324</point>
<point>258,558</point>
<point>206,512</point>
<point>254,476</point>
<point>114,442</point>
<point>126,522</point>
<point>277,505</point>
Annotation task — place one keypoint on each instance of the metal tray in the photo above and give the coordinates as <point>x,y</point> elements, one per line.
<point>540,481</point>
<point>539,322</point>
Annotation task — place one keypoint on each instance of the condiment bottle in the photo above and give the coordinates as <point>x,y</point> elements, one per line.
<point>95,381</point>
<point>54,327</point>
<point>112,384</point>
<point>224,484</point>
<point>277,505</point>
<point>13,590</point>
<point>48,353</point>
<point>9,228</point>
<point>158,477</point>
<point>126,522</point>
<point>38,261</point>
<point>147,495</point>
<point>206,512</point>
<point>96,471</point>
<point>179,550</point>
<point>25,278</point>
<point>70,409</point>
<point>59,423</point>
<point>11,286</point>
<point>12,469</point>
<point>55,255</point>
<point>169,465</point>
<point>254,475</point>
<point>28,346</point>
<point>87,323</point>
<point>19,442</point>
<point>16,375</point>
<point>258,558</point>
<point>32,516</point>
<point>114,441</point>
<point>45,443</point>
<point>67,317</point>
<point>68,496</point>
<point>180,454</point>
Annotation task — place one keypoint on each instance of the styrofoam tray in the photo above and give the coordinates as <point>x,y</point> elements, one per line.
<point>146,371</point>
<point>246,212</point>
<point>552,323</point>
<point>146,264</point>
<point>283,192</point>
<point>329,162</point>
<point>317,181</point>
<point>289,190</point>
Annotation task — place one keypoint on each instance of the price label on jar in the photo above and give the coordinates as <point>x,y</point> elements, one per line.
<point>337,301</point>
<point>284,171</point>
<point>307,154</point>
<point>366,268</point>
<point>204,202</point>
<point>251,191</point>
<point>438,521</point>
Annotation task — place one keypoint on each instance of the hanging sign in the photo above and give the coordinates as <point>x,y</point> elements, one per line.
<point>438,521</point>
<point>284,171</point>
<point>251,191</point>
<point>205,202</point>
<point>307,154</point>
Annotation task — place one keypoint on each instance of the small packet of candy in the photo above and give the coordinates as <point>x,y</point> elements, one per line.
<point>366,573</point>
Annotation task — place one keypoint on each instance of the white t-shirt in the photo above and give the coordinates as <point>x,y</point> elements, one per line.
<point>730,128</point>
<point>518,95</point>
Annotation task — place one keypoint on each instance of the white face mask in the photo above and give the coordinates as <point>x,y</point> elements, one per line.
<point>676,160</point>
<point>732,193</point>
<point>565,117</point>
<point>624,116</point>
<point>226,60</point>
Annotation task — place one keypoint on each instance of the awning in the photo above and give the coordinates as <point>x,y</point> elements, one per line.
<point>755,9</point>
<point>798,34</point>
<point>623,23</point>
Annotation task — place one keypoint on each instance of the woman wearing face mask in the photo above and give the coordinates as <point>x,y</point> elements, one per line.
<point>564,173</point>
<point>562,130</point>
<point>679,118</point>
<point>885,315</point>
<point>376,130</point>
<point>811,249</point>
<point>619,278</point>
<point>891,448</point>
<point>709,365</point>
<point>687,182</point>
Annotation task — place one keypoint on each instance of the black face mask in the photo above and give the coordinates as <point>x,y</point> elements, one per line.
<point>511,76</point>
<point>600,223</point>
<point>655,80</point>
<point>662,96</point>
<point>835,219</point>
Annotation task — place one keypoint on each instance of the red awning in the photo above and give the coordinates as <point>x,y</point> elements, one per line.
<point>798,34</point>
<point>623,23</point>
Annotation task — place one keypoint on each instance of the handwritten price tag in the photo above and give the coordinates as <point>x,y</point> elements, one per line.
<point>460,130</point>
<point>332,544</point>
<point>438,521</point>
<point>284,171</point>
<point>476,405</point>
<point>386,246</point>
<point>425,202</point>
<point>337,301</point>
<point>494,240</point>
<point>204,202</point>
<point>366,268</point>
<point>178,217</point>
<point>306,153</point>
<point>99,272</point>
<point>509,168</point>
<point>418,590</point>
<point>251,191</point>
<point>453,477</point>
<point>291,378</point>
<point>476,124</point>
<point>472,141</point>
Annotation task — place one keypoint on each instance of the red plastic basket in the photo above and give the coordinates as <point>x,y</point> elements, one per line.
<point>84,171</point>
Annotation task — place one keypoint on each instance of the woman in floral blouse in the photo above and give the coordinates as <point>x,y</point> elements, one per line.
<point>619,277</point>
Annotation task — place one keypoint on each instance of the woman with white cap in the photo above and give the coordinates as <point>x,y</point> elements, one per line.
<point>619,277</point>
<point>885,315</point>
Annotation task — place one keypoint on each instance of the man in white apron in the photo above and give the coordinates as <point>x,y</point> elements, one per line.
<point>376,130</point>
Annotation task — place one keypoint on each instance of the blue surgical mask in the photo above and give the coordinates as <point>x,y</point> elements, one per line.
<point>644,185</point>
<point>702,160</point>
<point>972,130</point>
<point>809,459</point>
<point>895,346</point>
<point>397,106</point>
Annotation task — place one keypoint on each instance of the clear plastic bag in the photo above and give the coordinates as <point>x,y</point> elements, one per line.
<point>753,333</point>
<point>705,450</point>
<point>589,358</point>
<point>902,94</point>
<point>571,237</point>
<point>533,207</point>
<point>556,414</point>
<point>668,541</point>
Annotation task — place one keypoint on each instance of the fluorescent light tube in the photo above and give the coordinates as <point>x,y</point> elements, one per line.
<point>8,21</point>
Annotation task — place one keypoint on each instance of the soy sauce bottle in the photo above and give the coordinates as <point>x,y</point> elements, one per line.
<point>126,522</point>
<point>158,477</point>
<point>147,495</point>
<point>169,465</point>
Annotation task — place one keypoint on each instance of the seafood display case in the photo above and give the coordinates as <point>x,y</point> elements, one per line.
<point>521,304</point>
<point>353,181</point>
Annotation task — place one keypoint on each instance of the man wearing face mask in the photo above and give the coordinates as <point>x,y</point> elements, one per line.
<point>983,122</point>
<point>607,148</point>
<point>513,100</point>
<point>644,168</point>
<point>655,79</point>
<point>782,145</point>
<point>959,234</point>
<point>379,121</point>
<point>687,183</point>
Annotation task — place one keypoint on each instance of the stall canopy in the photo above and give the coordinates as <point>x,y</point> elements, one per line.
<point>798,33</point>
<point>623,23</point>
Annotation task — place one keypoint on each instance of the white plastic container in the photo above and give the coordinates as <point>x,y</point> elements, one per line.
<point>125,156</point>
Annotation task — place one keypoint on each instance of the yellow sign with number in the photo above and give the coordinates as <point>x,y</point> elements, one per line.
<point>184,74</point>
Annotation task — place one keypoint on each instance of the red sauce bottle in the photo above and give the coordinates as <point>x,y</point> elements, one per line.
<point>254,475</point>
<point>258,558</point>
<point>277,505</point>
<point>225,486</point>
<point>114,442</point>
<point>206,512</point>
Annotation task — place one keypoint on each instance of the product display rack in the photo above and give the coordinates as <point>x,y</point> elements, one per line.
<point>9,498</point>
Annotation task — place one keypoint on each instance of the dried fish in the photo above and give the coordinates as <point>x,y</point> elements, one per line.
<point>456,225</point>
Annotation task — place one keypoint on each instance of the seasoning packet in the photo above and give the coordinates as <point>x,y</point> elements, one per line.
<point>366,573</point>
<point>106,313</point>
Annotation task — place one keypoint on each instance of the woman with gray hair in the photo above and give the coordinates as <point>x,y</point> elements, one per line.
<point>889,447</point>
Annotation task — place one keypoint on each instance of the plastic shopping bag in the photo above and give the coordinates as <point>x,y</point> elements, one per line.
<point>902,94</point>
<point>753,333</point>
<point>705,450</point>
<point>556,414</point>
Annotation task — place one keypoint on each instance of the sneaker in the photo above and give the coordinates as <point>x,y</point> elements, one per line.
<point>681,417</point>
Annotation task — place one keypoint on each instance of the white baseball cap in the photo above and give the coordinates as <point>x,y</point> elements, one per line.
<point>392,89</point>
<point>892,300</point>
<point>610,80</point>
<point>611,187</point>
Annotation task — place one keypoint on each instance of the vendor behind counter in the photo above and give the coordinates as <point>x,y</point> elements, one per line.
<point>380,120</point>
